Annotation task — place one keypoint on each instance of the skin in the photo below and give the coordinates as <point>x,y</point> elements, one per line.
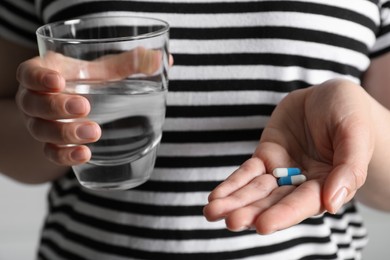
<point>337,132</point>
<point>41,99</point>
<point>19,150</point>
<point>30,110</point>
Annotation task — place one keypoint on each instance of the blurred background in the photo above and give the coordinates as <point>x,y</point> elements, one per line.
<point>23,207</point>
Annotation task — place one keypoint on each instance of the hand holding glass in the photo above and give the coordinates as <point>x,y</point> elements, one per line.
<point>120,65</point>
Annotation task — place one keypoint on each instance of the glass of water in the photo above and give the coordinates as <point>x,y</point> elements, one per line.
<point>120,64</point>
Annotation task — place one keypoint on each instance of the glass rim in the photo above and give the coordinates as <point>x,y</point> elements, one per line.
<point>165,28</point>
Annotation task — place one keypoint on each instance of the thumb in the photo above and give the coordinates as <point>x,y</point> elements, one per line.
<point>353,148</point>
<point>341,186</point>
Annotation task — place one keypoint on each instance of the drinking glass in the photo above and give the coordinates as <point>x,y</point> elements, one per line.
<point>120,64</point>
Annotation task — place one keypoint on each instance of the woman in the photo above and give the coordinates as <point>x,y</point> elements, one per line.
<point>234,62</point>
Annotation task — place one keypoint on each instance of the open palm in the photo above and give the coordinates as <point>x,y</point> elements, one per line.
<point>326,131</point>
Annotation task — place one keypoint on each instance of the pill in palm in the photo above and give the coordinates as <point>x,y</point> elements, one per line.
<point>292,180</point>
<point>282,172</point>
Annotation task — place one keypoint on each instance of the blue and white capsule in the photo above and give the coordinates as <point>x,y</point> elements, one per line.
<point>292,180</point>
<point>283,172</point>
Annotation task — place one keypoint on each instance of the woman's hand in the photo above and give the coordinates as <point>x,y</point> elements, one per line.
<point>40,99</point>
<point>45,106</point>
<point>325,130</point>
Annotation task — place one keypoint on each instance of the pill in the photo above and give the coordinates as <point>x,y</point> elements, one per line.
<point>282,172</point>
<point>292,180</point>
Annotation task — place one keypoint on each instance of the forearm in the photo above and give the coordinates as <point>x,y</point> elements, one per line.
<point>376,192</point>
<point>21,157</point>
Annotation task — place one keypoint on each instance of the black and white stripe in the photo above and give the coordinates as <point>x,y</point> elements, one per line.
<point>234,61</point>
<point>90,227</point>
<point>18,21</point>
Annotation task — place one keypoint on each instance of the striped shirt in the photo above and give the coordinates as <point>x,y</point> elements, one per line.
<point>234,61</point>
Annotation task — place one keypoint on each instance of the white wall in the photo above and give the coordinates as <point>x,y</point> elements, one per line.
<point>22,208</point>
<point>378,225</point>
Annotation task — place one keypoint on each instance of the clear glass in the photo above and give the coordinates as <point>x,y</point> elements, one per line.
<point>120,64</point>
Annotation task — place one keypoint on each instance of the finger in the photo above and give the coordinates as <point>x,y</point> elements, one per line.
<point>119,66</point>
<point>341,185</point>
<point>67,155</point>
<point>302,203</point>
<point>52,106</point>
<point>171,60</point>
<point>242,176</point>
<point>274,155</point>
<point>353,151</point>
<point>49,73</point>
<point>33,76</point>
<point>259,188</point>
<point>244,218</point>
<point>61,133</point>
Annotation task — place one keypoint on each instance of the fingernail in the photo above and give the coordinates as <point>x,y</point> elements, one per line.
<point>78,155</point>
<point>76,106</point>
<point>51,81</point>
<point>87,132</point>
<point>240,229</point>
<point>338,200</point>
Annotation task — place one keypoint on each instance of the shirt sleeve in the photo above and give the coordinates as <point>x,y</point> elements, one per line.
<point>382,44</point>
<point>19,21</point>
